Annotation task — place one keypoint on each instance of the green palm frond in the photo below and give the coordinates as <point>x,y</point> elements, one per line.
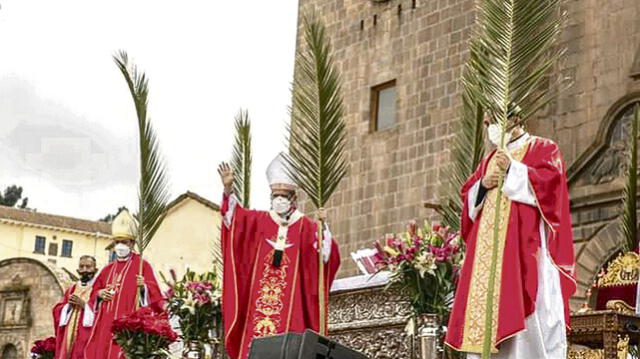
<point>153,194</point>
<point>629,219</point>
<point>241,161</point>
<point>467,152</point>
<point>513,47</point>
<point>317,133</point>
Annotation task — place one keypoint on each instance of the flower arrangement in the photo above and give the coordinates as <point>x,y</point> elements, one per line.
<point>144,334</point>
<point>44,349</point>
<point>195,300</point>
<point>425,261</point>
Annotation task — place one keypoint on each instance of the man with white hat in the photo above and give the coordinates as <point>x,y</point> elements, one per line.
<point>271,264</point>
<point>117,287</point>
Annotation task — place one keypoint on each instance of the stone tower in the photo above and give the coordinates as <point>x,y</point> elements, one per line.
<point>401,61</point>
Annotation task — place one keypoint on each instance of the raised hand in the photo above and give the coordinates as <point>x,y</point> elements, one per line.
<point>226,176</point>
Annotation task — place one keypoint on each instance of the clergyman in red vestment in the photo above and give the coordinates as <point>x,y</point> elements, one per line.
<point>535,272</point>
<point>271,265</point>
<point>114,290</point>
<point>72,317</point>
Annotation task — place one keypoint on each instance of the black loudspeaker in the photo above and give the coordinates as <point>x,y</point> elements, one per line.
<point>309,345</point>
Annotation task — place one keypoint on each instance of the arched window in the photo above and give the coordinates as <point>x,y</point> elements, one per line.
<point>9,352</point>
<point>611,164</point>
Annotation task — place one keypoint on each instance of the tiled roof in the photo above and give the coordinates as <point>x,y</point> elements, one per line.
<point>44,219</point>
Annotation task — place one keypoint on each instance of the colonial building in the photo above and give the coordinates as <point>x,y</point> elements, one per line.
<point>401,62</point>
<point>39,254</point>
<point>188,236</point>
<point>57,240</point>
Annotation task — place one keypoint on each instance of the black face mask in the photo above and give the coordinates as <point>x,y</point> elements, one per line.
<point>86,277</point>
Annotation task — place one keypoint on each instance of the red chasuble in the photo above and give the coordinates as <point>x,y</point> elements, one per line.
<point>72,337</point>
<point>260,299</point>
<point>519,249</point>
<point>121,276</point>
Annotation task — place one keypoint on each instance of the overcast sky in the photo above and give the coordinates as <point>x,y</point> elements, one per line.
<point>67,122</point>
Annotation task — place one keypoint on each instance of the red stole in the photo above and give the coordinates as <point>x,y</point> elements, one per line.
<point>260,299</point>
<point>518,285</point>
<point>120,275</point>
<point>72,338</point>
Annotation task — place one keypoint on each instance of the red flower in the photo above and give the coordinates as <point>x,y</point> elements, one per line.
<point>169,293</point>
<point>43,347</point>
<point>202,298</point>
<point>441,254</point>
<point>145,320</point>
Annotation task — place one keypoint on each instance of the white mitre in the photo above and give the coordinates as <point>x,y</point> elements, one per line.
<point>278,174</point>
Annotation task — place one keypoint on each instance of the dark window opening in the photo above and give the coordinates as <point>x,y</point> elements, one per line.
<point>40,245</point>
<point>383,106</point>
<point>67,248</point>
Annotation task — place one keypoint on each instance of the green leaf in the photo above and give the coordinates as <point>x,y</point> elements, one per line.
<point>317,134</point>
<point>241,161</point>
<point>153,192</point>
<point>467,152</point>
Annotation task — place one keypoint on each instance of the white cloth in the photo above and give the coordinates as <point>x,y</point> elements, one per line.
<point>326,243</point>
<point>233,202</point>
<point>473,199</point>
<point>544,336</point>
<point>87,318</point>
<point>144,298</point>
<point>516,184</point>
<point>638,298</point>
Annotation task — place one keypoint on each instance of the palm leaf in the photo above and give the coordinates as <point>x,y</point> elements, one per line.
<point>317,132</point>
<point>153,193</point>
<point>629,219</point>
<point>513,48</point>
<point>467,152</point>
<point>241,161</point>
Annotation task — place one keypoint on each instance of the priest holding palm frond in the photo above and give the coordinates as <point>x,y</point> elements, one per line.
<point>120,289</point>
<point>535,262</point>
<point>271,264</point>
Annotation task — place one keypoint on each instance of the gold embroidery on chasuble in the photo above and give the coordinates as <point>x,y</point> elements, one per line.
<point>269,304</point>
<point>475,314</point>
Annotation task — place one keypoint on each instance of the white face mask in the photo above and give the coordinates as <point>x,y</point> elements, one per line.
<point>122,250</point>
<point>281,205</point>
<point>494,133</point>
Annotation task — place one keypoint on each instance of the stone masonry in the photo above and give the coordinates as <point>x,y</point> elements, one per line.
<point>422,45</point>
<point>37,287</point>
